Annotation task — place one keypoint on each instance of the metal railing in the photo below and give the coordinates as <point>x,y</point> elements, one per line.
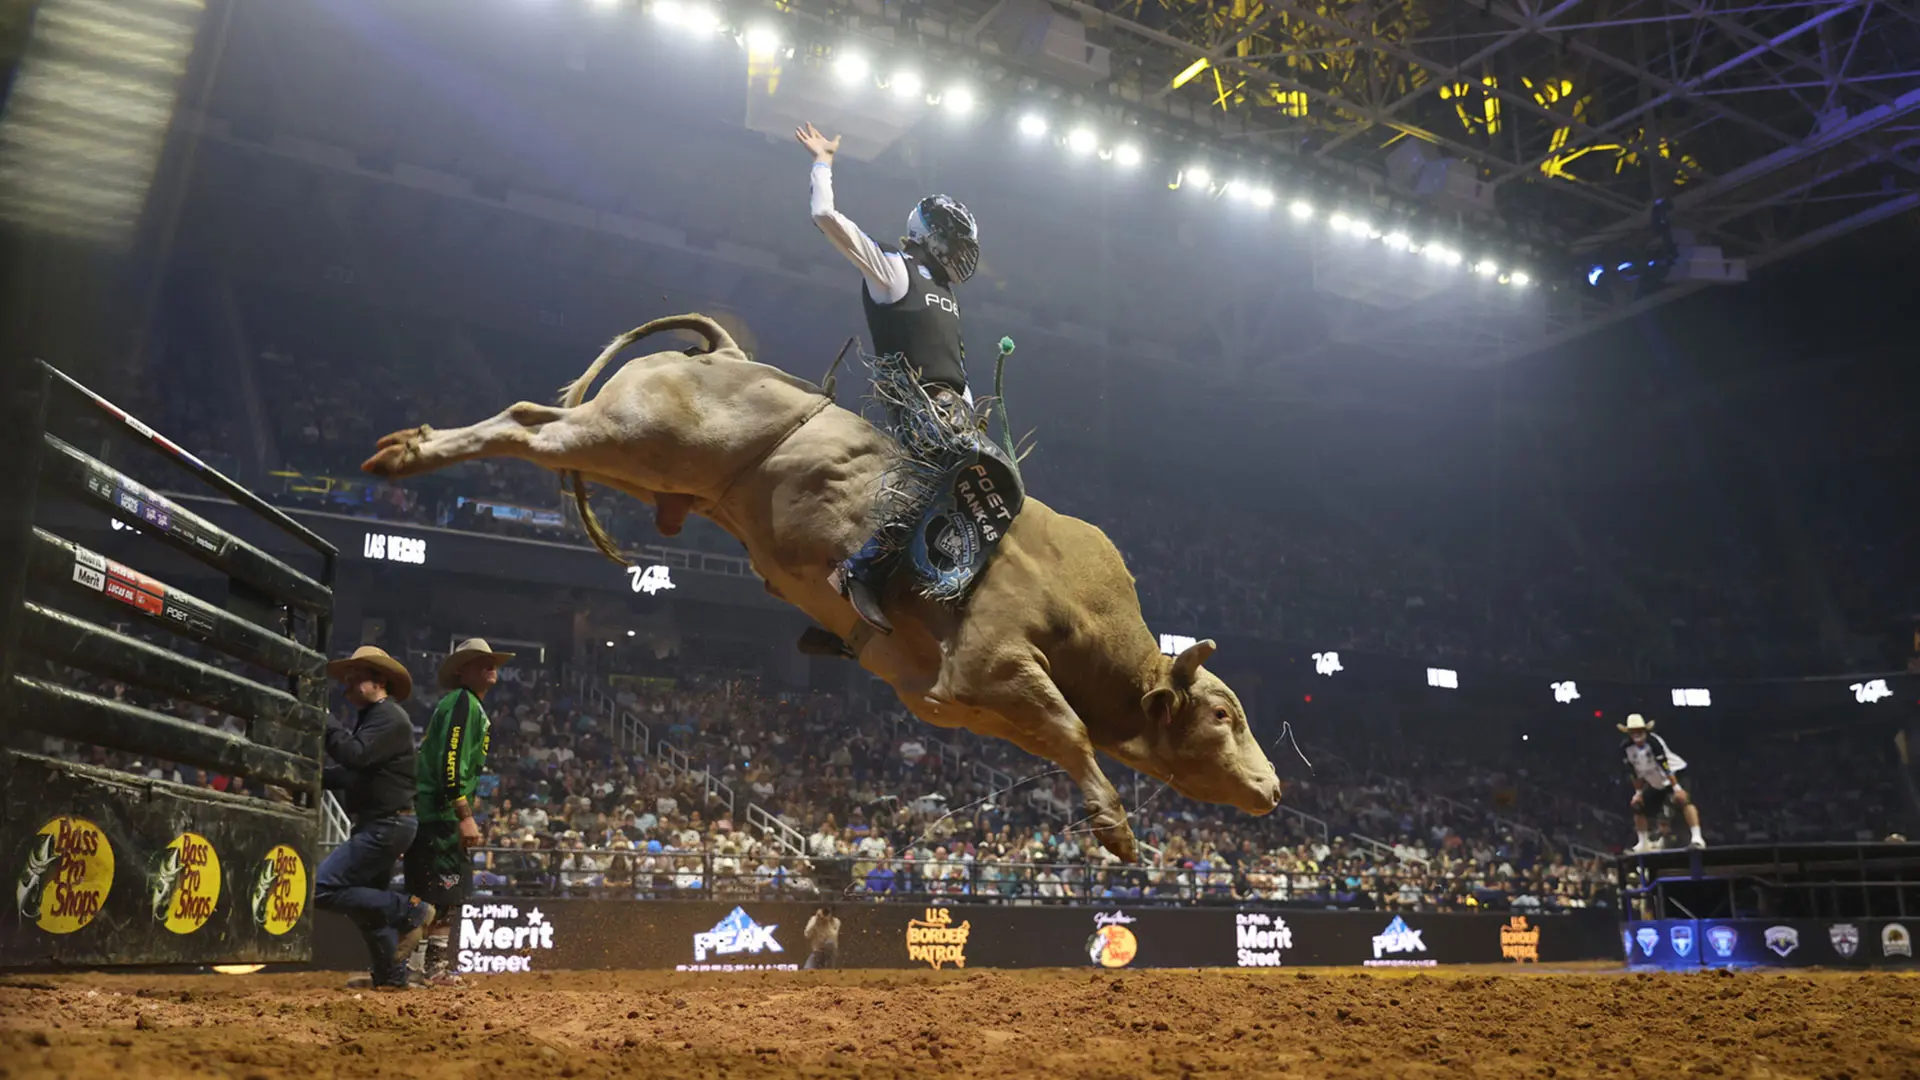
<point>636,875</point>
<point>335,825</point>
<point>775,831</point>
<point>678,763</point>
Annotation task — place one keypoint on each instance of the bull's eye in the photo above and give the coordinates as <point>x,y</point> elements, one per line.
<point>1219,712</point>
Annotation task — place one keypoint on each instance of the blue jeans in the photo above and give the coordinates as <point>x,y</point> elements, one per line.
<point>353,881</point>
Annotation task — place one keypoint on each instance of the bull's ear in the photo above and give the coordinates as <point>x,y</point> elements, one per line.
<point>1187,664</point>
<point>1158,704</point>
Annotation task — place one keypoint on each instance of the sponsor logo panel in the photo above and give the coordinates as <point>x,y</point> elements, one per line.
<point>1519,941</point>
<point>1681,938</point>
<point>934,939</point>
<point>1722,939</point>
<point>66,875</point>
<point>1896,940</point>
<point>1782,939</point>
<point>1393,947</point>
<point>185,883</point>
<point>499,938</point>
<point>1112,944</point>
<point>736,935</point>
<point>1845,938</point>
<point>1260,939</point>
<point>279,890</point>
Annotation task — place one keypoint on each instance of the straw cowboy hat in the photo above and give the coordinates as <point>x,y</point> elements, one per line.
<point>1634,723</point>
<point>399,682</point>
<point>468,650</point>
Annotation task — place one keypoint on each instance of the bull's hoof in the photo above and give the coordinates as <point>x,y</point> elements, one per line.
<point>396,453</point>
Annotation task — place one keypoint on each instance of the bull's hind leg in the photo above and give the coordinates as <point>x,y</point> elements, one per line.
<point>1039,721</point>
<point>543,434</point>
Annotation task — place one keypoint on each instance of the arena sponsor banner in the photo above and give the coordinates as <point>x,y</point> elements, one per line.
<point>172,878</point>
<point>1682,944</point>
<point>502,935</point>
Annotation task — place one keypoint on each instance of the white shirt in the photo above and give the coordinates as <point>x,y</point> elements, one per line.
<point>885,271</point>
<point>1644,760</point>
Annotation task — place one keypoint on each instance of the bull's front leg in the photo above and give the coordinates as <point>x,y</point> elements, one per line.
<point>1039,721</point>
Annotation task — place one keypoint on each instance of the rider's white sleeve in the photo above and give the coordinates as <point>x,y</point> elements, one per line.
<point>885,271</point>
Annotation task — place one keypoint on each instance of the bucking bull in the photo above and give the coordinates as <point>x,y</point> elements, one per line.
<point>1049,652</point>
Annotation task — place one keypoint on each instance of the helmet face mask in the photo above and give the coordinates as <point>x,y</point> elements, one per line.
<point>948,232</point>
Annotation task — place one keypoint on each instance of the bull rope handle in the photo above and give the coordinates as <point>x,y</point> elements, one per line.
<point>1000,403</point>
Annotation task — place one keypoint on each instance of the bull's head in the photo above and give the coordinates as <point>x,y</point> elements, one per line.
<point>1196,738</point>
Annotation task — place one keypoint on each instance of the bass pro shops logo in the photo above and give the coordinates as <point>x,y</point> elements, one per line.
<point>934,940</point>
<point>66,876</point>
<point>279,890</point>
<point>185,883</point>
<point>1112,944</point>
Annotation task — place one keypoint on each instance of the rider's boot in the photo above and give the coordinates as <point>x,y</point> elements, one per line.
<point>855,580</point>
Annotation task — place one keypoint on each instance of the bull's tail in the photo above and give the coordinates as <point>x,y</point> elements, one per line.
<point>575,392</point>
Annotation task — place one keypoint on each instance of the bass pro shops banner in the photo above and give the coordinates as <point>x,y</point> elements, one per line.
<point>498,935</point>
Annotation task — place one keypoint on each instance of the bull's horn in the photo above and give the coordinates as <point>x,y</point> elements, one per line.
<point>1187,664</point>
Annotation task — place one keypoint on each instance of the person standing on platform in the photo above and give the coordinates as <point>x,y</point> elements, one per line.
<point>1656,772</point>
<point>452,756</point>
<point>372,767</point>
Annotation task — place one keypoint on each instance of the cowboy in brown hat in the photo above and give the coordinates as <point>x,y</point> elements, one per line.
<point>452,756</point>
<point>372,766</point>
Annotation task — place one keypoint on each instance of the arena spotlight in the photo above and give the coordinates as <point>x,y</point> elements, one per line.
<point>907,84</point>
<point>1236,190</point>
<point>1486,268</point>
<point>1033,125</point>
<point>1441,254</point>
<point>958,100</point>
<point>693,18</point>
<point>1520,279</point>
<point>1339,222</point>
<point>629,633</point>
<point>1300,209</point>
<point>1594,273</point>
<point>762,40</point>
<point>1398,241</point>
<point>1262,197</point>
<point>1082,140</point>
<point>1198,176</point>
<point>1126,155</point>
<point>850,68</point>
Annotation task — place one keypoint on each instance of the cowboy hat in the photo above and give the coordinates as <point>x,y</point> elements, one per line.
<point>467,651</point>
<point>399,682</point>
<point>1634,723</point>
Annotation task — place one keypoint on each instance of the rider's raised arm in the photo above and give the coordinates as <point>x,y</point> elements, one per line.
<point>886,272</point>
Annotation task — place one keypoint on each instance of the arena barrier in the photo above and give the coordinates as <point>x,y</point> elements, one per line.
<point>109,866</point>
<point>1772,905</point>
<point>1690,944</point>
<point>508,935</point>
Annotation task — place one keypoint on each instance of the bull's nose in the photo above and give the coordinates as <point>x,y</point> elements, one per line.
<point>1273,793</point>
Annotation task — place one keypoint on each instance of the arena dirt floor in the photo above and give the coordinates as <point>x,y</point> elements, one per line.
<point>1055,1024</point>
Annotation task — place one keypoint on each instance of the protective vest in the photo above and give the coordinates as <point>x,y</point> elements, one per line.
<point>924,325</point>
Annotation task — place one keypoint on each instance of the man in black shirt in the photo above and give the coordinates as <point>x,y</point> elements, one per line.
<point>372,767</point>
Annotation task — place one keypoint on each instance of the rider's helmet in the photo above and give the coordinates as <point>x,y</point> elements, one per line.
<point>947,230</point>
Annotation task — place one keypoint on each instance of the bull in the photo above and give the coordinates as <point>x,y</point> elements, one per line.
<point>1049,652</point>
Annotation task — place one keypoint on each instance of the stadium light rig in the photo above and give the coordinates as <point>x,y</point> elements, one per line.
<point>764,39</point>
